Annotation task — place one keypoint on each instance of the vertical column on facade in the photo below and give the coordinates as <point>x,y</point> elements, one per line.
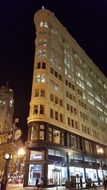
<point>84,168</point>
<point>68,167</point>
<point>25,183</point>
<point>45,172</point>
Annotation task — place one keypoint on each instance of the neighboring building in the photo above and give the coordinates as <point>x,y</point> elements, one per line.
<point>6,117</point>
<point>7,128</point>
<point>68,109</point>
<point>6,109</point>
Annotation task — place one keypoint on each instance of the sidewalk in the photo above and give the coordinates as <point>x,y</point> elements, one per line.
<point>20,187</point>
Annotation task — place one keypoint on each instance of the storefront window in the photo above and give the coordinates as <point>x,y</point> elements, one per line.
<point>36,155</point>
<point>35,171</point>
<point>51,152</point>
<point>77,171</point>
<point>89,159</point>
<point>91,173</point>
<point>100,174</point>
<point>56,174</point>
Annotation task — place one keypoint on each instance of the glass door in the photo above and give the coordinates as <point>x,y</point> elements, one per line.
<point>56,176</point>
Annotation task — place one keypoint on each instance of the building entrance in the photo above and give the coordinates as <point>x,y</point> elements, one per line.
<point>56,176</point>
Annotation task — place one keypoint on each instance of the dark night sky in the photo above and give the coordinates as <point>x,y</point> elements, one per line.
<point>86,21</point>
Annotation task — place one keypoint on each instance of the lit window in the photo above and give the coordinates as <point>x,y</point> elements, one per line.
<point>99,108</point>
<point>89,83</point>
<point>50,134</point>
<point>45,24</point>
<point>41,135</point>
<point>34,132</point>
<point>91,101</point>
<point>36,92</point>
<point>97,98</point>
<point>44,42</point>
<point>11,103</point>
<point>38,78</point>
<point>43,77</point>
<point>81,84</point>
<point>36,155</point>
<point>56,87</point>
<point>41,24</point>
<point>56,136</point>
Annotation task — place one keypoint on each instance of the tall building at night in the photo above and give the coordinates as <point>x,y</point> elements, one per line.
<point>6,109</point>
<point>68,109</point>
<point>6,118</point>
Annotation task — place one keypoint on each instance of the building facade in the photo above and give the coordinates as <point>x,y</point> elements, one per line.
<point>68,110</point>
<point>6,118</point>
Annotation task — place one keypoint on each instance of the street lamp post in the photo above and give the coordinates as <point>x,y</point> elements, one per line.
<point>21,154</point>
<point>7,157</point>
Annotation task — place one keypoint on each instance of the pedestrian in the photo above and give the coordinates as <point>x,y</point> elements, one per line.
<point>105,183</point>
<point>42,182</point>
<point>37,183</point>
<point>81,181</point>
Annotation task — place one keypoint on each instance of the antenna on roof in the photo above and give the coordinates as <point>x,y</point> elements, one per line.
<point>7,84</point>
<point>42,7</point>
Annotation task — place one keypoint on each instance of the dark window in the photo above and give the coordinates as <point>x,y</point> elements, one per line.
<point>61,117</point>
<point>43,65</point>
<point>38,65</point>
<point>35,109</point>
<point>56,115</point>
<point>51,113</point>
<point>41,109</point>
<point>61,103</point>
<point>42,93</point>
<point>56,74</point>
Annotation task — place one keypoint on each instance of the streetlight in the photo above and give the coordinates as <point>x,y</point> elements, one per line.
<point>7,157</point>
<point>100,151</point>
<point>21,153</point>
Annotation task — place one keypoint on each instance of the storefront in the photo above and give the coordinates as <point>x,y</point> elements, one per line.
<point>59,156</point>
<point>57,174</point>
